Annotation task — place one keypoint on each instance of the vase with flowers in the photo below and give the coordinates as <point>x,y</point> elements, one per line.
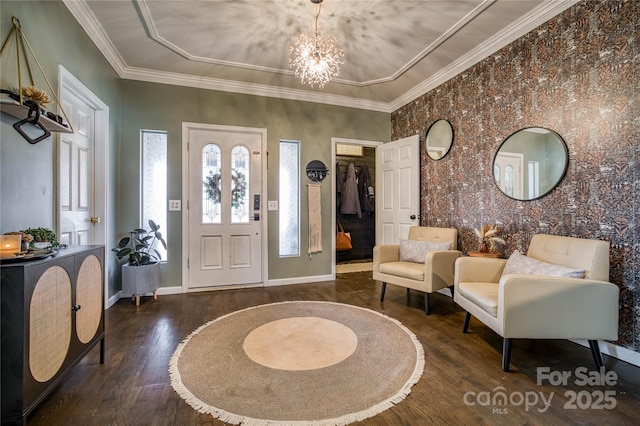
<point>488,236</point>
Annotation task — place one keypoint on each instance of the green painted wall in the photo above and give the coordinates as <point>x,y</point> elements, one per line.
<point>163,107</point>
<point>27,172</point>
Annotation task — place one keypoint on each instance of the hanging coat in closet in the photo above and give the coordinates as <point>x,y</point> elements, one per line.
<point>365,188</point>
<point>350,196</point>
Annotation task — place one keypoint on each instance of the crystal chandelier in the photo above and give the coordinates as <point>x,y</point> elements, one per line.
<point>315,59</point>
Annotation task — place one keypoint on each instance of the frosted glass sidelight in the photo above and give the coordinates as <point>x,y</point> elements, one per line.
<point>154,183</point>
<point>289,199</point>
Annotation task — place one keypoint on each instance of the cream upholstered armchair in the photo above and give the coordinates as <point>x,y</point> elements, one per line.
<point>542,295</point>
<point>423,262</point>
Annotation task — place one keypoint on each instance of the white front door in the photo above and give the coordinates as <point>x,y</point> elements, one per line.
<point>75,174</point>
<point>398,189</point>
<point>224,205</point>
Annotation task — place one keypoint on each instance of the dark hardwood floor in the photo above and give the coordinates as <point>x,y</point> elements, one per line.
<point>132,387</point>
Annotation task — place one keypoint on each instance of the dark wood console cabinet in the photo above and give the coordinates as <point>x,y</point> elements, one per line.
<point>52,316</point>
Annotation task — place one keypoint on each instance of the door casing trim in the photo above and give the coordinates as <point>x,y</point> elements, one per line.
<point>334,142</point>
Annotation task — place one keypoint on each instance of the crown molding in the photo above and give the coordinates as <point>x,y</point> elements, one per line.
<point>89,23</point>
<point>517,29</point>
<point>153,76</point>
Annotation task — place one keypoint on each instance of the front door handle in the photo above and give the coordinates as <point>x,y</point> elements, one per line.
<point>412,217</point>
<point>95,219</point>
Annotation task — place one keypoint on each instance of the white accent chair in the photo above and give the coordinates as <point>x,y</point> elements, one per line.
<point>542,307</point>
<point>434,273</point>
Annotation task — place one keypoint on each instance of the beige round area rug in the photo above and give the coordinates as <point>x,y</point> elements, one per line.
<point>297,363</point>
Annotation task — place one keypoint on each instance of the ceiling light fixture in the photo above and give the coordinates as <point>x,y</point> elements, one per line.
<point>315,59</point>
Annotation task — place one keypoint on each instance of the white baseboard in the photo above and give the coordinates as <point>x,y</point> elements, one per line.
<point>224,287</point>
<point>299,280</point>
<point>170,290</point>
<point>113,299</point>
<point>619,352</point>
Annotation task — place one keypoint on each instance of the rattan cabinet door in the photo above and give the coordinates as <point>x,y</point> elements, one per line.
<point>88,299</point>
<point>49,323</point>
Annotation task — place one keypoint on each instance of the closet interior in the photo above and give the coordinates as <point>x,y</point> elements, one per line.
<point>355,203</point>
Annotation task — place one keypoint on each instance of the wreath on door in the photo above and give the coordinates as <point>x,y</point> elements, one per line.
<point>212,187</point>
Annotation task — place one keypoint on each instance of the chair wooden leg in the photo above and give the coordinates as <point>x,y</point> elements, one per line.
<point>451,288</point>
<point>465,324</point>
<point>384,288</point>
<point>595,352</point>
<point>426,304</point>
<point>506,354</point>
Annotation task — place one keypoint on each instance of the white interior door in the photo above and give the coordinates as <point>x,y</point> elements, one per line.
<point>224,206</point>
<point>75,174</point>
<point>83,183</point>
<point>398,189</point>
<point>507,171</point>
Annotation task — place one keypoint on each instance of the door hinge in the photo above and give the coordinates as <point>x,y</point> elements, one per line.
<point>187,263</point>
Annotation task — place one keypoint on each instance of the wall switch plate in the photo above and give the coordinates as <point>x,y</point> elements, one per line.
<point>175,205</point>
<point>272,205</point>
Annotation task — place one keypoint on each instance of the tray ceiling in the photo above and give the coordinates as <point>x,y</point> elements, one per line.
<point>395,50</point>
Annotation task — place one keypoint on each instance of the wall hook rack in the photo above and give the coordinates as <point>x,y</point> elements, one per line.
<point>317,171</point>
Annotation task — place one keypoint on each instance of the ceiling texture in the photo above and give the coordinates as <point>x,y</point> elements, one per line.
<point>395,50</point>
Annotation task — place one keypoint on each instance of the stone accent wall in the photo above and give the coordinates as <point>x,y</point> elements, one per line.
<point>579,75</point>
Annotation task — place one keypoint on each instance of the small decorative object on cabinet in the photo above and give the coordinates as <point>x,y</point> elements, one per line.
<point>52,316</point>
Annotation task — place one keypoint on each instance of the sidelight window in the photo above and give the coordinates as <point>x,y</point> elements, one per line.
<point>289,199</point>
<point>154,182</point>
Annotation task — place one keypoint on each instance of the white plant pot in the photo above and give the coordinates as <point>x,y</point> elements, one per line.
<point>137,280</point>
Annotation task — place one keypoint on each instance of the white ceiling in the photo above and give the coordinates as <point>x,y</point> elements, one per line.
<point>395,50</point>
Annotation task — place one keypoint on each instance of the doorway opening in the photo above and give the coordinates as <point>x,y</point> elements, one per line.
<point>354,202</point>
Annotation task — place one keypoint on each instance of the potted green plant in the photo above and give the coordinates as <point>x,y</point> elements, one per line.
<point>141,272</point>
<point>41,238</point>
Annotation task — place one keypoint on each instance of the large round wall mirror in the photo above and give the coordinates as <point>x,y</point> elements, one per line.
<point>438,140</point>
<point>530,163</point>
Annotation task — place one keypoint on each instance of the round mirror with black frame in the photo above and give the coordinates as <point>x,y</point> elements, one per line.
<point>530,163</point>
<point>438,139</point>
